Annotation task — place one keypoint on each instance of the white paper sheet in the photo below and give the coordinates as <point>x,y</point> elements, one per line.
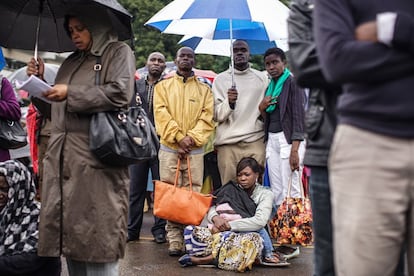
<point>35,87</point>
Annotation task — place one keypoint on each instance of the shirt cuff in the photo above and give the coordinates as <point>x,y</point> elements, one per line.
<point>385,27</point>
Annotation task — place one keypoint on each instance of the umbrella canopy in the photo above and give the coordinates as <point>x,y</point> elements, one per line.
<point>221,47</point>
<point>217,19</point>
<point>38,24</point>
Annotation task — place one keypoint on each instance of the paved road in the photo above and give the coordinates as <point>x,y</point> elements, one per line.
<point>146,258</point>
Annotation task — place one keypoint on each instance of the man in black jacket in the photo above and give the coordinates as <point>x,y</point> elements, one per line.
<point>320,123</point>
<point>372,158</point>
<point>139,172</point>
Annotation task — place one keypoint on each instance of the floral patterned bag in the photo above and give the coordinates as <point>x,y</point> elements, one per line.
<point>292,223</point>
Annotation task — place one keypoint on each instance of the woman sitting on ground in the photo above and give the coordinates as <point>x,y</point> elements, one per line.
<point>19,221</point>
<point>236,243</point>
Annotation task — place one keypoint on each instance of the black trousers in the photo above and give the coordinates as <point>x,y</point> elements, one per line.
<point>138,186</point>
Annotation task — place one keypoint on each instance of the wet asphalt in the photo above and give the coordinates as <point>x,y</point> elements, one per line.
<point>147,258</point>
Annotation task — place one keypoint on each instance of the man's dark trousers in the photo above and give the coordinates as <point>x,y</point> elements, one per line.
<point>138,187</point>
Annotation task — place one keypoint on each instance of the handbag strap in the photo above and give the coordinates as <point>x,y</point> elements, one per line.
<point>97,68</point>
<point>302,193</point>
<point>189,173</point>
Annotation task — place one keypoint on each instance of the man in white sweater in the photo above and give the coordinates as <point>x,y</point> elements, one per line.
<point>240,127</point>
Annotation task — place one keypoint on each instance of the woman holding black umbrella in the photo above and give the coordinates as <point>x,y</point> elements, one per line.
<point>85,202</point>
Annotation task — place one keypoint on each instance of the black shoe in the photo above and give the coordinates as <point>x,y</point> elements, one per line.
<point>130,239</point>
<point>160,238</point>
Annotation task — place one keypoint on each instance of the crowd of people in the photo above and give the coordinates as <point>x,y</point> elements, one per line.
<point>355,134</point>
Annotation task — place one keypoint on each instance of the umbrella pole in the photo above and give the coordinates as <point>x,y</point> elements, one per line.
<point>38,29</point>
<point>233,85</point>
<point>37,38</point>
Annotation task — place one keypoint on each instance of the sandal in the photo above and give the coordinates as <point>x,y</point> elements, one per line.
<point>274,261</point>
<point>280,256</point>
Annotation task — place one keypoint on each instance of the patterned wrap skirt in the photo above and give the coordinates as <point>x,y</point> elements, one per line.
<point>232,251</point>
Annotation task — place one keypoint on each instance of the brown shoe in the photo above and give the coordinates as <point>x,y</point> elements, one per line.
<point>175,249</point>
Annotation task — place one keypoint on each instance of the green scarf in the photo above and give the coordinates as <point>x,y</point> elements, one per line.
<point>275,88</point>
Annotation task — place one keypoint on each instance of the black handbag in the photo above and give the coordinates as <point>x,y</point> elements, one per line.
<point>122,137</point>
<point>12,134</point>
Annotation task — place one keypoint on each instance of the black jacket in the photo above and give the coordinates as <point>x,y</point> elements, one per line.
<point>377,79</point>
<point>320,118</point>
<point>237,198</point>
<point>291,104</point>
<point>143,91</point>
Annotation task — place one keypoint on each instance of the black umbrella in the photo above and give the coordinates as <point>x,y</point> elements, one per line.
<point>38,24</point>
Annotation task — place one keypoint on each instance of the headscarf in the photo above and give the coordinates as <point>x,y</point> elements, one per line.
<point>98,24</point>
<point>20,216</point>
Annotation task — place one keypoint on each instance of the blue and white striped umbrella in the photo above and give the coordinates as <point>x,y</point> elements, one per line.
<point>264,20</point>
<point>224,19</point>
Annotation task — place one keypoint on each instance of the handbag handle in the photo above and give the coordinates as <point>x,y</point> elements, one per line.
<point>189,173</point>
<point>302,193</point>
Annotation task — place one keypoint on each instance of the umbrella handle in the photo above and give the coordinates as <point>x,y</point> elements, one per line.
<point>233,84</point>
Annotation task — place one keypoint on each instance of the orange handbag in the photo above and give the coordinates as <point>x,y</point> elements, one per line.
<point>180,204</point>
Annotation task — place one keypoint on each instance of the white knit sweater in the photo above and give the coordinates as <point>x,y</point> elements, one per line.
<point>242,123</point>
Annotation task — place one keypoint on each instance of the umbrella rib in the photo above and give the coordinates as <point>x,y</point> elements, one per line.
<point>52,12</point>
<point>54,20</point>
<point>23,7</point>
